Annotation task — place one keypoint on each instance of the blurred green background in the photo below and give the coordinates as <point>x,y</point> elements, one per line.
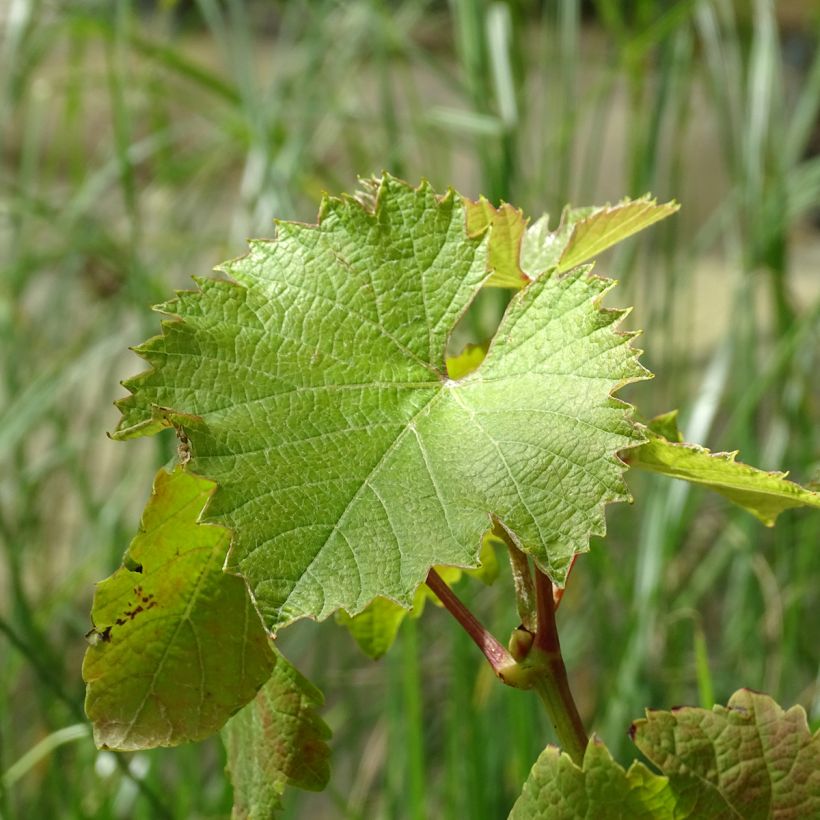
<point>143,142</point>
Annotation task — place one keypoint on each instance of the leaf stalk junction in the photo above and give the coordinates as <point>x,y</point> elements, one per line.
<point>529,664</point>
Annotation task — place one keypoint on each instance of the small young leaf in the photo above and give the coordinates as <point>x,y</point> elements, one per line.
<point>505,226</point>
<point>764,494</point>
<point>177,646</point>
<point>277,740</point>
<point>583,233</point>
<point>541,248</point>
<point>375,628</point>
<point>596,230</point>
<point>748,759</point>
<point>558,789</point>
<point>313,390</point>
<point>465,362</point>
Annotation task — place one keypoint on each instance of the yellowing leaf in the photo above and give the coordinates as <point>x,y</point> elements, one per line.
<point>505,226</point>
<point>176,647</point>
<point>465,362</point>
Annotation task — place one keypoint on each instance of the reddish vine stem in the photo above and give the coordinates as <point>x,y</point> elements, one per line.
<point>543,668</point>
<point>546,635</point>
<point>498,657</point>
<point>553,685</point>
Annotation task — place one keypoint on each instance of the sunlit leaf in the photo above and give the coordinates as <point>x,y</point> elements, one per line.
<point>465,362</point>
<point>595,230</point>
<point>313,389</point>
<point>505,227</point>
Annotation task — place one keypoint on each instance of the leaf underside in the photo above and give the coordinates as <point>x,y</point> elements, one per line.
<point>313,389</point>
<point>177,646</point>
<point>749,759</point>
<point>764,494</point>
<point>277,740</point>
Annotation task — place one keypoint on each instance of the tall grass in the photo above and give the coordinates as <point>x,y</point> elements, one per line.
<point>142,146</point>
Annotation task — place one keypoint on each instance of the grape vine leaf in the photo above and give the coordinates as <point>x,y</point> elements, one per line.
<point>748,759</point>
<point>595,230</point>
<point>312,388</point>
<point>583,233</point>
<point>506,227</point>
<point>541,248</point>
<point>277,740</point>
<point>764,494</point>
<point>466,361</point>
<point>558,789</point>
<point>376,627</point>
<point>177,646</point>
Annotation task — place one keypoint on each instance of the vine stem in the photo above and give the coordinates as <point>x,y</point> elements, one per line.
<point>498,657</point>
<point>543,667</point>
<point>552,684</point>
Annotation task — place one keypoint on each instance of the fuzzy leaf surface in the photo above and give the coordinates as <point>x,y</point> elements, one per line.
<point>176,647</point>
<point>749,759</point>
<point>558,789</point>
<point>277,740</point>
<point>313,389</point>
<point>764,494</point>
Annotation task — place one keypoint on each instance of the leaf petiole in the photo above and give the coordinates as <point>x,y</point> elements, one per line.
<point>498,657</point>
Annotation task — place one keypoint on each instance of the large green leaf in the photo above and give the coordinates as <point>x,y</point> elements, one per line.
<point>277,740</point>
<point>176,647</point>
<point>313,390</point>
<point>558,789</point>
<point>764,494</point>
<point>749,759</point>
